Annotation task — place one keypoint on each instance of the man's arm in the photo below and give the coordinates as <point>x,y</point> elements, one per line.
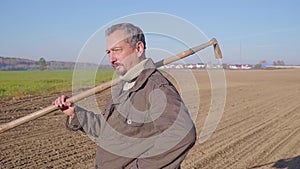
<point>79,118</point>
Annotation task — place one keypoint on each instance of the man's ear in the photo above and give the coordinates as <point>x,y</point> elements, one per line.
<point>140,48</point>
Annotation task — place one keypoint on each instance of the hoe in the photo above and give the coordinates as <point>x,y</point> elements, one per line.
<point>107,85</point>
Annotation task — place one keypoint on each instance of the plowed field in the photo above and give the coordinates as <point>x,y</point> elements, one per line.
<point>260,127</point>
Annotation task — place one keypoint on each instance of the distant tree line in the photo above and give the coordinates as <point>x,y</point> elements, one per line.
<point>262,63</point>
<point>27,64</point>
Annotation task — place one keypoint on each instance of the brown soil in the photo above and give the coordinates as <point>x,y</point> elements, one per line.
<point>260,127</point>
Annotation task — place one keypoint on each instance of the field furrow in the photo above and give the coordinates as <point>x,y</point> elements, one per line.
<point>259,129</point>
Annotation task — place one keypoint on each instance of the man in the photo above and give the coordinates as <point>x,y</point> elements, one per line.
<point>145,124</point>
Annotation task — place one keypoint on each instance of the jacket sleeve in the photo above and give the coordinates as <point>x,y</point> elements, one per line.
<point>86,121</point>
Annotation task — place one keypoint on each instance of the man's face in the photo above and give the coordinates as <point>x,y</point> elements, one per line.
<point>121,55</point>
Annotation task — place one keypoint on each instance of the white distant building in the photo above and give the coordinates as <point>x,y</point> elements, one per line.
<point>179,66</point>
<point>190,66</point>
<point>240,66</point>
<point>200,65</point>
<point>246,67</point>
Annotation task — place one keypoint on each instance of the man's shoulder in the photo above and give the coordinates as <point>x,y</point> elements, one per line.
<point>159,79</point>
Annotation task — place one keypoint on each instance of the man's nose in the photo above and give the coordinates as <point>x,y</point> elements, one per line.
<point>112,58</point>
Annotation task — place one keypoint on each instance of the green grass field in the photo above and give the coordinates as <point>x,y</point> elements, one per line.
<point>21,83</point>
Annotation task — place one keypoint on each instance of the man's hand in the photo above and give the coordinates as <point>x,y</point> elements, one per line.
<point>66,107</point>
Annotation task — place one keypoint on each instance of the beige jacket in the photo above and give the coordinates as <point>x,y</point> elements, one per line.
<point>147,126</point>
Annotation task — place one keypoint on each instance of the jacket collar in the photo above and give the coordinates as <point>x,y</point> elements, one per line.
<point>144,75</point>
<point>119,96</point>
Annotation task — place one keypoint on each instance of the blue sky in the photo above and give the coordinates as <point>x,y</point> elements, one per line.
<point>248,30</point>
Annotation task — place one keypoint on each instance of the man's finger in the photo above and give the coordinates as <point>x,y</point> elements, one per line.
<point>62,99</point>
<point>69,104</point>
<point>56,102</point>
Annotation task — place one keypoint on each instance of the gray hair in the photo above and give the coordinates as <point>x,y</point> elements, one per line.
<point>134,33</point>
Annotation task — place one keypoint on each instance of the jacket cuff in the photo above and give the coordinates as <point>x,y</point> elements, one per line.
<point>72,123</point>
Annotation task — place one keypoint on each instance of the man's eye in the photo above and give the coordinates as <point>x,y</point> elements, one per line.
<point>116,49</point>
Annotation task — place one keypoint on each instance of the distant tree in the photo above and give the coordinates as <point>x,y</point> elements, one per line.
<point>257,66</point>
<point>225,66</point>
<point>262,61</point>
<point>43,65</point>
<point>279,63</point>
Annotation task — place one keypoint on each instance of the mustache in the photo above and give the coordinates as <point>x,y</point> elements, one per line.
<point>115,64</point>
